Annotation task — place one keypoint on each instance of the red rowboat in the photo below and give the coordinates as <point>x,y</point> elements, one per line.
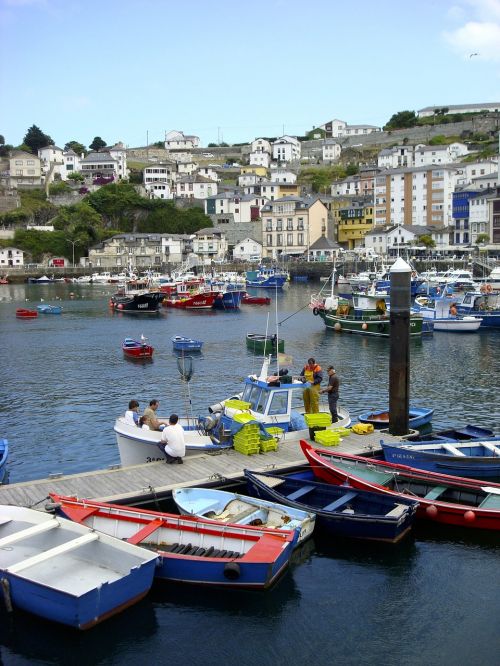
<point>137,349</point>
<point>22,313</point>
<point>194,302</point>
<point>451,500</point>
<point>255,300</point>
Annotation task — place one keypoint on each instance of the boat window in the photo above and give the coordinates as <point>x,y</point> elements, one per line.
<point>252,395</point>
<point>260,405</point>
<point>279,403</point>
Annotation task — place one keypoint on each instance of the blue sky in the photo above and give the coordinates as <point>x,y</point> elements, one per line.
<point>128,70</point>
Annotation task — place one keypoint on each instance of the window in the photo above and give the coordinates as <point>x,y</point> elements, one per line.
<point>289,239</point>
<point>279,403</point>
<point>300,239</point>
<point>269,239</point>
<point>279,240</point>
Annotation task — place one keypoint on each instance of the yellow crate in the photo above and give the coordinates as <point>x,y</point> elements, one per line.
<point>343,432</point>
<point>242,417</point>
<point>274,430</point>
<point>247,450</point>
<point>319,419</point>
<point>268,445</point>
<point>237,404</point>
<point>327,438</point>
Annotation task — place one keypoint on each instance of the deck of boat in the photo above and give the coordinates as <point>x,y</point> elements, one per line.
<point>118,484</point>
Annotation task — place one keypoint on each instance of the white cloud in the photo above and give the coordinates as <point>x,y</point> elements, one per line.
<point>480,34</point>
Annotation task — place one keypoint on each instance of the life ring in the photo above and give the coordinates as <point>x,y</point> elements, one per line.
<point>489,288</point>
<point>315,312</point>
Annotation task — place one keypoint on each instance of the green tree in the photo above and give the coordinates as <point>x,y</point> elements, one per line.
<point>76,177</point>
<point>35,139</point>
<point>97,143</point>
<point>425,240</point>
<point>482,238</point>
<point>402,120</point>
<point>76,146</point>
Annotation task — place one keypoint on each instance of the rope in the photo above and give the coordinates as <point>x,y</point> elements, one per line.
<point>293,314</point>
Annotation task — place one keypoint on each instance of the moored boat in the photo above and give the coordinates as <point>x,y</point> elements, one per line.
<point>137,348</point>
<point>473,459</point>
<point>266,278</point>
<point>340,510</point>
<point>68,573</point>
<point>443,313</point>
<point>199,301</point>
<point>137,302</point>
<point>460,434</point>
<point>483,303</point>
<point>255,300</point>
<point>418,416</point>
<point>265,344</point>
<point>181,343</point>
<point>450,500</point>
<point>191,549</point>
<point>228,507</point>
<point>4,455</point>
<point>24,313</point>
<point>46,308</point>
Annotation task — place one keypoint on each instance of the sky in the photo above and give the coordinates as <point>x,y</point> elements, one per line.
<point>232,71</point>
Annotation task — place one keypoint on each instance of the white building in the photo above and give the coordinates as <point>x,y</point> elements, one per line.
<point>195,187</point>
<point>359,130</point>
<point>334,128</point>
<point>331,150</point>
<point>210,244</point>
<point>176,140</point>
<point>429,155</point>
<point>159,190</point>
<point>479,216</point>
<point>260,153</point>
<point>485,182</point>
<point>11,257</point>
<point>119,153</point>
<point>286,149</point>
<point>459,108</point>
<point>208,172</point>
<point>71,163</point>
<point>161,172</point>
<point>99,164</point>
<point>240,208</point>
<point>283,176</point>
<point>396,157</point>
<point>248,250</point>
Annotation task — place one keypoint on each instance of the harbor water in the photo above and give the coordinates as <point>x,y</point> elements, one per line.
<point>63,381</point>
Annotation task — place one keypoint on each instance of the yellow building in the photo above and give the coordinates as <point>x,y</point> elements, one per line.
<point>254,168</point>
<point>352,220</point>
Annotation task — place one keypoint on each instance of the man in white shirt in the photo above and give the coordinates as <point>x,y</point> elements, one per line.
<point>173,438</point>
<point>131,415</point>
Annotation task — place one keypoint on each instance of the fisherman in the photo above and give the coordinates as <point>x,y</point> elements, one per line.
<point>333,392</point>
<point>172,439</point>
<point>312,373</point>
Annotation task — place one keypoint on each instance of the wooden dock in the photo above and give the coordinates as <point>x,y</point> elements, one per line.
<point>150,480</point>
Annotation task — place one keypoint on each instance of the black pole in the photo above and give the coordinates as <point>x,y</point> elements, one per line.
<point>399,364</point>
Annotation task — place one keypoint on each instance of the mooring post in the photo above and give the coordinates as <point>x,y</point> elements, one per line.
<point>399,363</point>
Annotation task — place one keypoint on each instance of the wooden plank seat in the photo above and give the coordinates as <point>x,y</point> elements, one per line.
<point>398,511</point>
<point>491,447</point>
<point>434,493</point>
<point>333,506</point>
<point>490,502</point>
<point>300,493</point>
<point>452,449</point>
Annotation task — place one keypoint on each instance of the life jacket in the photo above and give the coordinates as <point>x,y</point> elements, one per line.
<point>309,374</point>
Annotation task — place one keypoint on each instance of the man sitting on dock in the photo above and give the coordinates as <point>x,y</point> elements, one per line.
<point>172,438</point>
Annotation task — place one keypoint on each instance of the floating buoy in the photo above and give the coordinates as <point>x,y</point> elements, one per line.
<point>364,326</point>
<point>469,516</point>
<point>431,511</point>
<point>120,306</point>
<point>337,327</point>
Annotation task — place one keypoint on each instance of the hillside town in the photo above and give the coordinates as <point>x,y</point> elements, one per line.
<point>441,196</point>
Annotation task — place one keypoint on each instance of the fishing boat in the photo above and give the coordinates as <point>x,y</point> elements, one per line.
<point>417,417</point>
<point>360,314</point>
<point>227,507</point>
<point>483,303</point>
<point>475,459</point>
<point>23,313</point>
<point>136,301</point>
<point>255,300</point>
<point>198,301</point>
<point>385,282</point>
<point>340,510</point>
<point>266,278</point>
<point>265,344</point>
<point>191,549</point>
<point>68,573</point>
<point>268,400</point>
<point>46,308</point>
<point>450,500</point>
<point>227,298</point>
<point>137,348</point>
<point>44,279</point>
<point>181,343</point>
<point>444,314</point>
<point>4,454</point>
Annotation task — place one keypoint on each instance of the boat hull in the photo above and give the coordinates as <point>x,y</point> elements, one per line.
<point>263,344</point>
<point>339,511</point>
<point>373,326</point>
<point>417,418</point>
<point>186,344</point>
<point>477,461</point>
<point>190,549</point>
<point>22,313</point>
<point>474,507</point>
<point>135,349</point>
<point>145,303</point>
<point>66,573</point>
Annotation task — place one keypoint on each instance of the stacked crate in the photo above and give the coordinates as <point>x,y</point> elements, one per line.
<point>327,437</point>
<point>272,443</point>
<point>317,422</point>
<point>247,439</point>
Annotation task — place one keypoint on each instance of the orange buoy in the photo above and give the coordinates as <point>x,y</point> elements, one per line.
<point>431,511</point>
<point>469,516</point>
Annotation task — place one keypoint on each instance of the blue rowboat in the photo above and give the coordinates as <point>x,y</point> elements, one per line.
<point>66,572</point>
<point>181,343</point>
<point>46,308</point>
<point>473,459</point>
<point>460,434</point>
<point>239,509</point>
<point>4,454</point>
<point>340,510</point>
<point>418,417</point>
<point>191,549</point>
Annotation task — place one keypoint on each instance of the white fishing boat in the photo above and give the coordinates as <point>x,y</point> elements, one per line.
<point>270,401</point>
<point>442,312</point>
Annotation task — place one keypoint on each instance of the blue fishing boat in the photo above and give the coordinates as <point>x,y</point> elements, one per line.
<point>68,573</point>
<point>340,510</point>
<point>418,416</point>
<point>483,303</point>
<point>460,434</point>
<point>46,308</point>
<point>228,299</point>
<point>237,509</point>
<point>191,549</point>
<point>474,459</point>
<point>4,454</point>
<point>266,278</point>
<point>180,343</point>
